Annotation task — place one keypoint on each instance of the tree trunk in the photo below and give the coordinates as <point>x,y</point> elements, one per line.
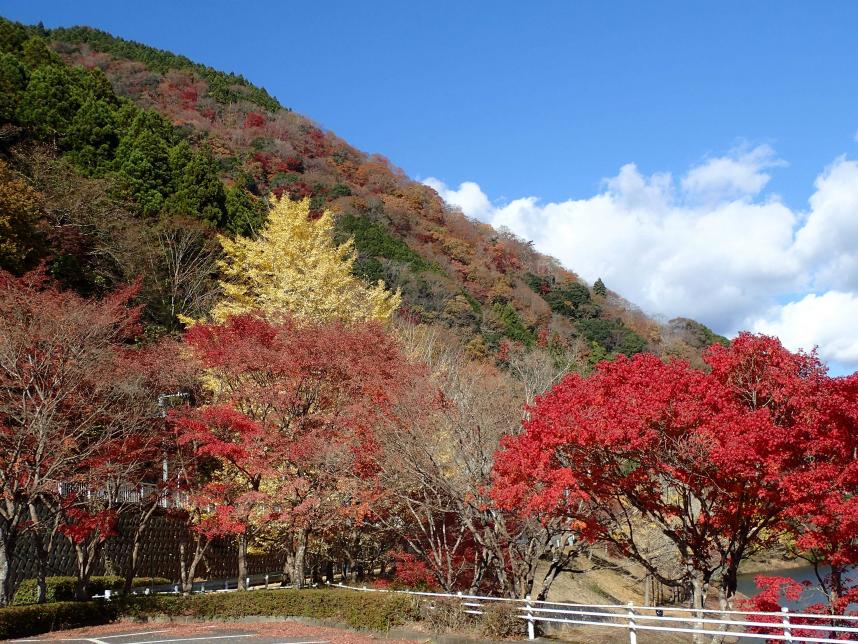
<point>316,573</point>
<point>835,589</point>
<point>86,555</point>
<point>329,571</point>
<point>699,588</point>
<point>480,565</point>
<point>42,555</point>
<point>109,565</point>
<point>188,569</point>
<point>242,561</point>
<point>81,592</point>
<point>6,549</point>
<point>185,574</point>
<point>288,564</point>
<point>727,588</point>
<point>133,566</point>
<point>560,559</point>
<point>140,528</point>
<point>726,593</point>
<point>300,555</point>
<point>43,544</point>
<point>41,570</point>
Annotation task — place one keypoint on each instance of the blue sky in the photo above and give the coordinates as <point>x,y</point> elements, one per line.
<point>529,98</point>
<point>634,141</point>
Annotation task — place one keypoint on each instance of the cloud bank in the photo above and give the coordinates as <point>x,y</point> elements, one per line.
<point>711,244</point>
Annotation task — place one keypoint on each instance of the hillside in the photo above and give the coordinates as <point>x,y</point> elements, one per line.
<point>122,161</point>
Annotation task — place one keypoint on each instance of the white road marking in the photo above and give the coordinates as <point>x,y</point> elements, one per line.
<point>195,639</point>
<point>64,639</point>
<point>108,637</point>
<point>181,639</point>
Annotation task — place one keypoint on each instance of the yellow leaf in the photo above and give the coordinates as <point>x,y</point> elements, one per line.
<point>294,267</point>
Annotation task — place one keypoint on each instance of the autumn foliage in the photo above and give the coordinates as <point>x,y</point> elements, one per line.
<point>76,410</point>
<point>294,267</point>
<point>366,379</point>
<point>721,462</point>
<point>322,439</point>
<point>291,424</point>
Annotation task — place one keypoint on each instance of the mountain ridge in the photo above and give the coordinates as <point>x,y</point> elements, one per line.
<point>229,144</point>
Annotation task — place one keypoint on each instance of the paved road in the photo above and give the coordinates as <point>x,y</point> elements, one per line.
<point>262,633</point>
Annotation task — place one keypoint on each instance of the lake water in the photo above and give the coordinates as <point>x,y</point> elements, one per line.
<point>812,595</point>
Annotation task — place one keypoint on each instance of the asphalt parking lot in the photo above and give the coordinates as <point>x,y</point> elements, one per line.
<point>265,633</point>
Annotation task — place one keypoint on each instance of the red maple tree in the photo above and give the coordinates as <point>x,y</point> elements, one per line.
<point>291,423</point>
<point>75,412</point>
<point>704,458</point>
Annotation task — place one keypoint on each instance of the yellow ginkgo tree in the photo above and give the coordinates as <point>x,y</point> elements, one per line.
<point>294,267</point>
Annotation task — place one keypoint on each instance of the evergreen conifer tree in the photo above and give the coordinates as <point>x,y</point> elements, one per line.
<point>13,80</point>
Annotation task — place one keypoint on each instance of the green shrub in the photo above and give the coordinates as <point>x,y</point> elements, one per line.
<point>23,621</point>
<point>513,326</point>
<point>373,240</point>
<point>339,190</point>
<point>613,335</point>
<point>371,611</point>
<point>63,588</point>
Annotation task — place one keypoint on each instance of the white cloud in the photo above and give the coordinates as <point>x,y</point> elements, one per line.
<point>828,241</point>
<point>710,245</point>
<point>731,177</point>
<point>469,197</point>
<point>827,320</point>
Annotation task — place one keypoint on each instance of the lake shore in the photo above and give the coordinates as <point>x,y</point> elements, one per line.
<point>762,565</point>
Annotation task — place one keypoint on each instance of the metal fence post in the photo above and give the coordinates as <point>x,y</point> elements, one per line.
<point>531,627</point>
<point>633,633</point>
<point>785,621</point>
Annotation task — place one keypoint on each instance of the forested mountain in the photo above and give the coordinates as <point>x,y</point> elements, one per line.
<point>216,312</point>
<point>121,162</point>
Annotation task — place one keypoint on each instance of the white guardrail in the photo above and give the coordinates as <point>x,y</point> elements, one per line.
<point>785,626</point>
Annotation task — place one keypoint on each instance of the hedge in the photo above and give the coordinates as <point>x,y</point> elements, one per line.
<point>370,611</point>
<point>63,588</point>
<point>367,611</point>
<point>23,621</point>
